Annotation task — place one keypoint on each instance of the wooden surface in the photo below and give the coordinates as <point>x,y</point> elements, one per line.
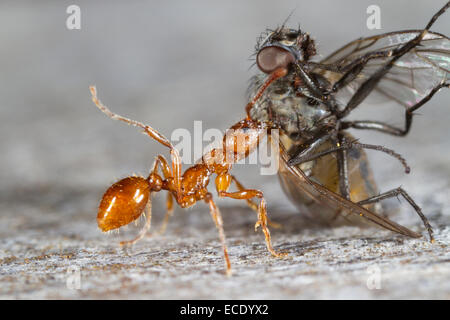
<point>152,63</point>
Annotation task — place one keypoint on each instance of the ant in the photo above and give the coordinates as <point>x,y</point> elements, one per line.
<point>129,198</point>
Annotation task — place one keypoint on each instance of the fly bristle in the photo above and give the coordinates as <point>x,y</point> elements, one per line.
<point>262,38</point>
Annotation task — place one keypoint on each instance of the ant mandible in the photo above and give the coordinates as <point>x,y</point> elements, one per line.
<point>127,199</point>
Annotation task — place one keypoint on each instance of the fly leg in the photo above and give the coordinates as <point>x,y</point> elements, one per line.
<point>347,145</point>
<point>253,205</point>
<point>349,70</point>
<point>344,186</point>
<point>395,193</point>
<point>308,152</point>
<point>386,128</point>
<point>217,217</point>
<point>343,169</point>
<point>353,69</point>
<point>367,86</point>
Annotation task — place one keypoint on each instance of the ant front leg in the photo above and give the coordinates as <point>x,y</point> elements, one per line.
<point>222,184</point>
<point>253,205</point>
<point>169,211</point>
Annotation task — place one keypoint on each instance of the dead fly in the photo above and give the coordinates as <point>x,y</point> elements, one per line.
<point>323,166</point>
<point>304,100</point>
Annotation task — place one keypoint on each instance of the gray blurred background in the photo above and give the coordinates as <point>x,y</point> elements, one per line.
<point>169,64</point>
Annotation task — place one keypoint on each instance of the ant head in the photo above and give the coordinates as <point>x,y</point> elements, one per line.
<point>123,203</point>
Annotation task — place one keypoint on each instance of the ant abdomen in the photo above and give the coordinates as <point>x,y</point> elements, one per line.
<point>123,203</point>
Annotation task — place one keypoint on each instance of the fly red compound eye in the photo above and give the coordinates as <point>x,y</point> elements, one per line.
<point>271,58</point>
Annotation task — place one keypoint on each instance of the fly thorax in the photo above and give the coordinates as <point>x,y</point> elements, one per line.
<point>281,105</point>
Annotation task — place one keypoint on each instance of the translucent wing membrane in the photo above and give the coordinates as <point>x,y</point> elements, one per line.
<point>411,78</point>
<point>298,179</point>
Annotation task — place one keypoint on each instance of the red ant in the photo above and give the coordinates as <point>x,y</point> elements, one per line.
<point>127,199</point>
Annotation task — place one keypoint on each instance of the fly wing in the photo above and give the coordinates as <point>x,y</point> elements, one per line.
<point>321,194</point>
<point>412,77</point>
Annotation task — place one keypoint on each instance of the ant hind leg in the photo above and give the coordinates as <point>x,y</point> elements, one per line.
<point>144,230</point>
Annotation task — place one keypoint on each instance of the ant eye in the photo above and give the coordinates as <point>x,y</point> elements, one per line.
<point>123,203</point>
<point>271,58</point>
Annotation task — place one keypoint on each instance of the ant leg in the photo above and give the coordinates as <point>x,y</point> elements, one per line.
<point>262,214</point>
<point>160,160</point>
<point>395,193</point>
<point>386,128</point>
<point>165,168</point>
<point>144,229</point>
<point>253,205</point>
<point>169,203</point>
<point>217,217</point>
